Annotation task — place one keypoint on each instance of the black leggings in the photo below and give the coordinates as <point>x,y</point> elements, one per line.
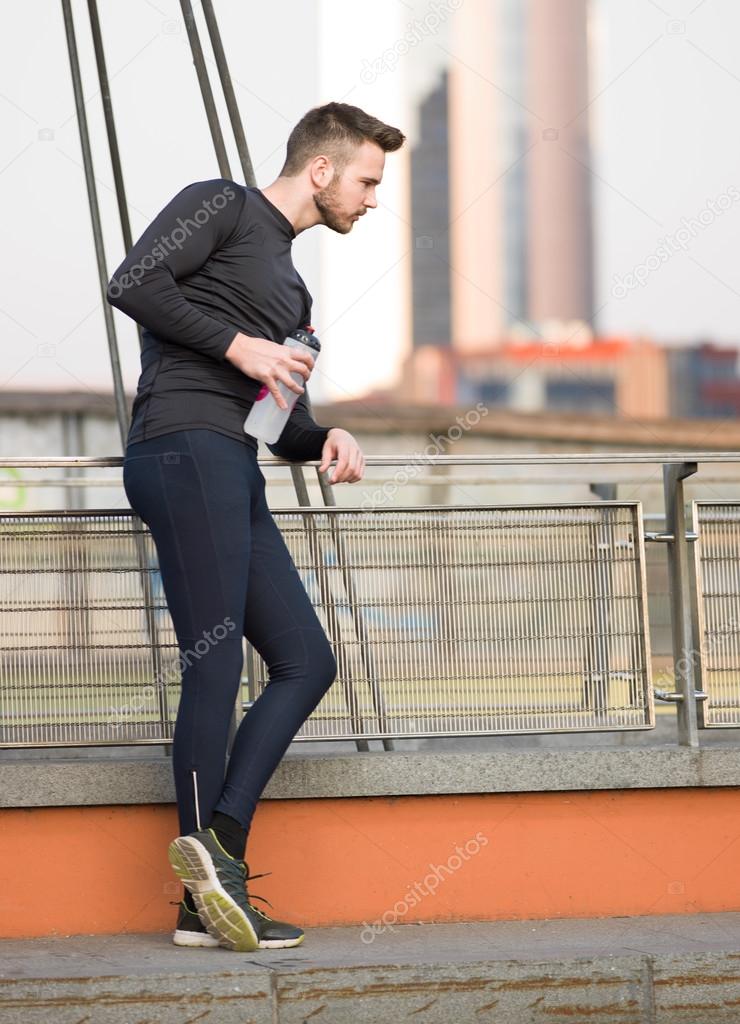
<point>226,572</point>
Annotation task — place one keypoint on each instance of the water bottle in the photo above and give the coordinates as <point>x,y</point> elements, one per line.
<point>266,419</point>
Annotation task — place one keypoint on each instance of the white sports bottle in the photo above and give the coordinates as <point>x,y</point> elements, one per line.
<point>266,419</point>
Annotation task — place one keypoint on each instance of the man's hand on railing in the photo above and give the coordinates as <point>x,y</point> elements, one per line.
<point>341,445</point>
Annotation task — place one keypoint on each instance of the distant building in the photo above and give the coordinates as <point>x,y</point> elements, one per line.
<point>621,377</point>
<point>613,376</point>
<point>521,246</point>
<point>618,377</point>
<point>430,214</point>
<point>704,381</point>
<point>559,217</point>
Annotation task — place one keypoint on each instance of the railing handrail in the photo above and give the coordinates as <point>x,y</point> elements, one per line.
<point>510,459</point>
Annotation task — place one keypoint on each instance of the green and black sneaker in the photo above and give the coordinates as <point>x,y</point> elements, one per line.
<point>218,883</point>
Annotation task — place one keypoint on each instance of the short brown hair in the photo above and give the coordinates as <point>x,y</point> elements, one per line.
<point>336,129</point>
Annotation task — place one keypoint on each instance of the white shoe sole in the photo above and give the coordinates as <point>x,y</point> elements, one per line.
<point>205,940</point>
<point>183,937</point>
<point>280,943</point>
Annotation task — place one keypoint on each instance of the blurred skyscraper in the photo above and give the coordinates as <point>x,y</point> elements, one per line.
<point>430,207</point>
<point>559,229</point>
<point>506,247</point>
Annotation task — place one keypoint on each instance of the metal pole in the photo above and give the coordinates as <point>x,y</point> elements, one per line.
<point>597,677</point>
<point>697,618</point>
<point>679,570</point>
<point>228,90</point>
<point>205,88</point>
<point>110,128</point>
<point>110,329</point>
<point>73,441</point>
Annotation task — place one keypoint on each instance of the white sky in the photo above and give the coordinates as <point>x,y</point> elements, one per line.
<point>667,90</point>
<point>666,142</point>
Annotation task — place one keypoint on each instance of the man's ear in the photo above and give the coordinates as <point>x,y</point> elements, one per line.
<point>322,171</point>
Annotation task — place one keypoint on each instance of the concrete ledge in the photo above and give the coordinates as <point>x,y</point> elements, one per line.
<point>70,783</point>
<point>643,970</point>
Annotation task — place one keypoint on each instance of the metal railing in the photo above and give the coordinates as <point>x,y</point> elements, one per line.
<point>445,620</point>
<point>473,620</point>
<point>717,611</point>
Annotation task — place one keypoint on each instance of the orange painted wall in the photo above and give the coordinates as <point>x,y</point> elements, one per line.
<point>103,870</point>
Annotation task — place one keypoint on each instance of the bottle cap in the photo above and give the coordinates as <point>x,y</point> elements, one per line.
<point>308,339</point>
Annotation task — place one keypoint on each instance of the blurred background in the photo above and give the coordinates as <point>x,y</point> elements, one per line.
<point>553,247</point>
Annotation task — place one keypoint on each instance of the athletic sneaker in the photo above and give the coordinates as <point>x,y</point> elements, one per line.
<point>217,882</point>
<point>190,930</point>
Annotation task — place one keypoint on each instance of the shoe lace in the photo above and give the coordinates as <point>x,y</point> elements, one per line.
<point>234,872</point>
<point>253,896</point>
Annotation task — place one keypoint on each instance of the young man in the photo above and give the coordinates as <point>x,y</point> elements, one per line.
<point>212,284</point>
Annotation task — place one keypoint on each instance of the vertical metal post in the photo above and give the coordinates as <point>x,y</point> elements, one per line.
<point>92,196</point>
<point>205,88</point>
<point>110,128</point>
<point>697,616</point>
<point>228,90</point>
<point>597,676</point>
<point>679,574</point>
<point>73,444</point>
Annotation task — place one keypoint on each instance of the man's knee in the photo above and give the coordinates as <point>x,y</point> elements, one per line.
<point>323,664</point>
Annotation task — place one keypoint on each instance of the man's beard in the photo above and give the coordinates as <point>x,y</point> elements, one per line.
<point>326,202</point>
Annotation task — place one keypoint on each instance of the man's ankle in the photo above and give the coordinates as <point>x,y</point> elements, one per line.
<point>230,834</point>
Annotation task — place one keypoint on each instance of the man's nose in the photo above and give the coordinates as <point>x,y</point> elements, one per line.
<point>371,201</point>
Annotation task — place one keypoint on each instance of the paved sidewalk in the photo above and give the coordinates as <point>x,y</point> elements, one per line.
<point>643,970</point>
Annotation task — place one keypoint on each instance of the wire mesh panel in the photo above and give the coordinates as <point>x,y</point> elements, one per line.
<point>476,620</point>
<point>717,555</point>
<point>453,621</point>
<point>87,649</point>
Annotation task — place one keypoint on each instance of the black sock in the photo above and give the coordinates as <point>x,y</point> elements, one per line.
<point>189,903</point>
<point>231,835</point>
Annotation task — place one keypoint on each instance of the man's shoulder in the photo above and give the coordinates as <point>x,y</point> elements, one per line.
<point>220,189</point>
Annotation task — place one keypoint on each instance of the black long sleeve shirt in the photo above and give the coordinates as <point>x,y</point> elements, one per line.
<point>215,261</point>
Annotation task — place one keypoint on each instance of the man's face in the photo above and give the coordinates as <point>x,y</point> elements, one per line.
<point>348,196</point>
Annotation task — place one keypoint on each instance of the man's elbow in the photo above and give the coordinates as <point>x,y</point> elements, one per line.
<point>115,293</point>
<point>283,451</point>
<point>121,290</point>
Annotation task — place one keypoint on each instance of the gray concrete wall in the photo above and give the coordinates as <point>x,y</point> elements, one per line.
<point>65,783</point>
